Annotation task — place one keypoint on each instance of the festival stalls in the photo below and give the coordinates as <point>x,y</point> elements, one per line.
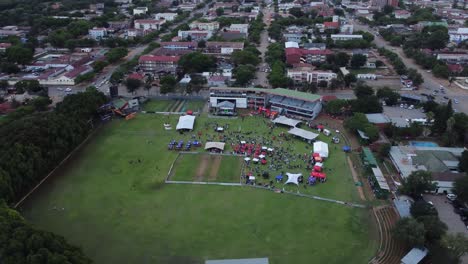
<point>215,146</point>
<point>321,148</point>
<point>318,166</point>
<point>293,178</point>
<point>307,135</point>
<point>186,122</point>
<point>317,157</point>
<point>286,121</point>
<point>320,175</point>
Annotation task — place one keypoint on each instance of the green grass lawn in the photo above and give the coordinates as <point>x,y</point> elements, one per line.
<point>120,211</point>
<point>363,71</point>
<point>194,105</point>
<point>157,105</point>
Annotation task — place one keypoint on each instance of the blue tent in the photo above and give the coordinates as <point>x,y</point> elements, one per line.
<point>346,148</point>
<point>279,177</point>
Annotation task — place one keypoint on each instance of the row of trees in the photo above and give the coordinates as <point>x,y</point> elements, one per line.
<point>400,67</point>
<point>33,144</point>
<point>245,62</point>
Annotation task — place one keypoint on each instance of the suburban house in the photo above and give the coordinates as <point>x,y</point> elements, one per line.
<point>344,37</point>
<point>242,28</point>
<point>210,26</point>
<point>165,16</point>
<point>223,48</point>
<point>97,33</point>
<point>4,46</point>
<point>148,24</point>
<point>308,75</point>
<point>140,10</point>
<point>402,14</point>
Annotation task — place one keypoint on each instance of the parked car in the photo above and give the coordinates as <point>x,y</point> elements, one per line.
<point>68,90</point>
<point>445,97</point>
<point>451,197</point>
<point>455,101</point>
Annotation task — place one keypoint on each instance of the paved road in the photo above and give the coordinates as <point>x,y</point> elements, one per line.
<point>431,83</point>
<point>261,75</point>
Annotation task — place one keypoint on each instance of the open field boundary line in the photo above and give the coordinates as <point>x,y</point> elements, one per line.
<point>172,167</point>
<point>313,197</point>
<point>205,183</point>
<point>380,236</point>
<point>56,167</point>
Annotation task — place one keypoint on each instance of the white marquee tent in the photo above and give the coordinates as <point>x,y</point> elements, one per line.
<point>286,121</point>
<point>321,148</point>
<point>303,133</point>
<point>186,122</point>
<point>293,178</point>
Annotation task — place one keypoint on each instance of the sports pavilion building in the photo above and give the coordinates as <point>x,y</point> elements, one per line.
<point>285,102</point>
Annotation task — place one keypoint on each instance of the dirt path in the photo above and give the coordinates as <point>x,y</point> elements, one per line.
<point>202,168</point>
<point>215,168</point>
<point>356,179</point>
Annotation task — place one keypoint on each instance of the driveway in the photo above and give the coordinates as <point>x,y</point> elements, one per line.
<point>446,214</point>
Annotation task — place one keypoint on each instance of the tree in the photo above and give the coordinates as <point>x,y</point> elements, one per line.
<point>422,208</point>
<point>435,228</point>
<point>31,86</point>
<point>460,187</point>
<point>243,74</point>
<point>168,84</point>
<point>220,11</point>
<point>463,165</point>
<point>196,62</point>
<point>437,39</point>
<point>244,57</point>
<point>410,232</point>
<point>417,183</point>
<point>197,82</point>
<point>336,107</point>
<point>116,54</point>
<point>357,61</point>
<point>363,90</point>
<point>388,9</point>
<point>3,85</point>
<point>40,103</point>
<point>296,11</point>
<point>201,44</point>
<point>390,96</point>
<point>98,66</point>
<point>133,84</point>
<point>342,59</point>
<point>441,70</point>
<point>277,77</point>
<point>349,78</point>
<point>384,149</point>
<point>18,54</point>
<point>457,244</point>
<point>116,77</point>
<point>415,76</point>
<point>148,83</point>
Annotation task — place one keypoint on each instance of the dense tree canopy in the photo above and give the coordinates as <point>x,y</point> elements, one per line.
<point>410,232</point>
<point>417,183</point>
<point>196,62</point>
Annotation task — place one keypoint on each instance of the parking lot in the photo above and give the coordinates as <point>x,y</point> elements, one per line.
<point>446,213</point>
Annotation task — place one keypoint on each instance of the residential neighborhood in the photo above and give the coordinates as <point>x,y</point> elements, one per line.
<point>234,131</point>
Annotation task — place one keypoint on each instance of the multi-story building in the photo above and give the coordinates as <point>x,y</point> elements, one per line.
<point>148,24</point>
<point>286,102</point>
<point>298,55</point>
<point>165,16</point>
<point>179,45</point>
<point>294,37</point>
<point>458,35</point>
<point>4,46</point>
<point>453,58</point>
<point>242,28</point>
<point>195,34</point>
<point>308,75</point>
<point>209,26</point>
<point>149,63</point>
<point>344,37</point>
<point>347,29</point>
<point>223,48</point>
<point>97,33</point>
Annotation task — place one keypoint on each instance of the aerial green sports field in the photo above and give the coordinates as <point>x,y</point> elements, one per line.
<point>111,200</point>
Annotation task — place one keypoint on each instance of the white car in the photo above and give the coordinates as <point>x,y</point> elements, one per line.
<point>451,196</point>
<point>455,101</point>
<point>68,90</point>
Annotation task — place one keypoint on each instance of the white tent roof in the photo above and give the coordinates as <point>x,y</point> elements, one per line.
<point>293,178</point>
<point>286,121</point>
<point>186,122</point>
<point>218,145</point>
<point>380,179</point>
<point>291,44</point>
<point>321,148</point>
<point>303,133</point>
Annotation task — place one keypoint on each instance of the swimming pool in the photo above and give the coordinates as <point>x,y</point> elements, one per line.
<point>423,144</point>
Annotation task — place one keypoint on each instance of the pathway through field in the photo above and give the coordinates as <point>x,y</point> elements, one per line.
<point>215,168</point>
<point>356,179</point>
<point>202,167</point>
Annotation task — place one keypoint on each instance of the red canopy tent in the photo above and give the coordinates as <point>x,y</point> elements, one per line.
<point>315,155</point>
<point>318,174</point>
<point>320,127</point>
<point>318,159</point>
<point>264,161</point>
<point>317,168</point>
<point>189,112</point>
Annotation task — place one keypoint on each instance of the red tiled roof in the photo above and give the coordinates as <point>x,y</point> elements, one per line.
<point>75,72</point>
<point>159,58</point>
<point>331,24</point>
<point>135,76</point>
<point>5,45</point>
<point>299,51</point>
<point>455,67</point>
<point>327,98</point>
